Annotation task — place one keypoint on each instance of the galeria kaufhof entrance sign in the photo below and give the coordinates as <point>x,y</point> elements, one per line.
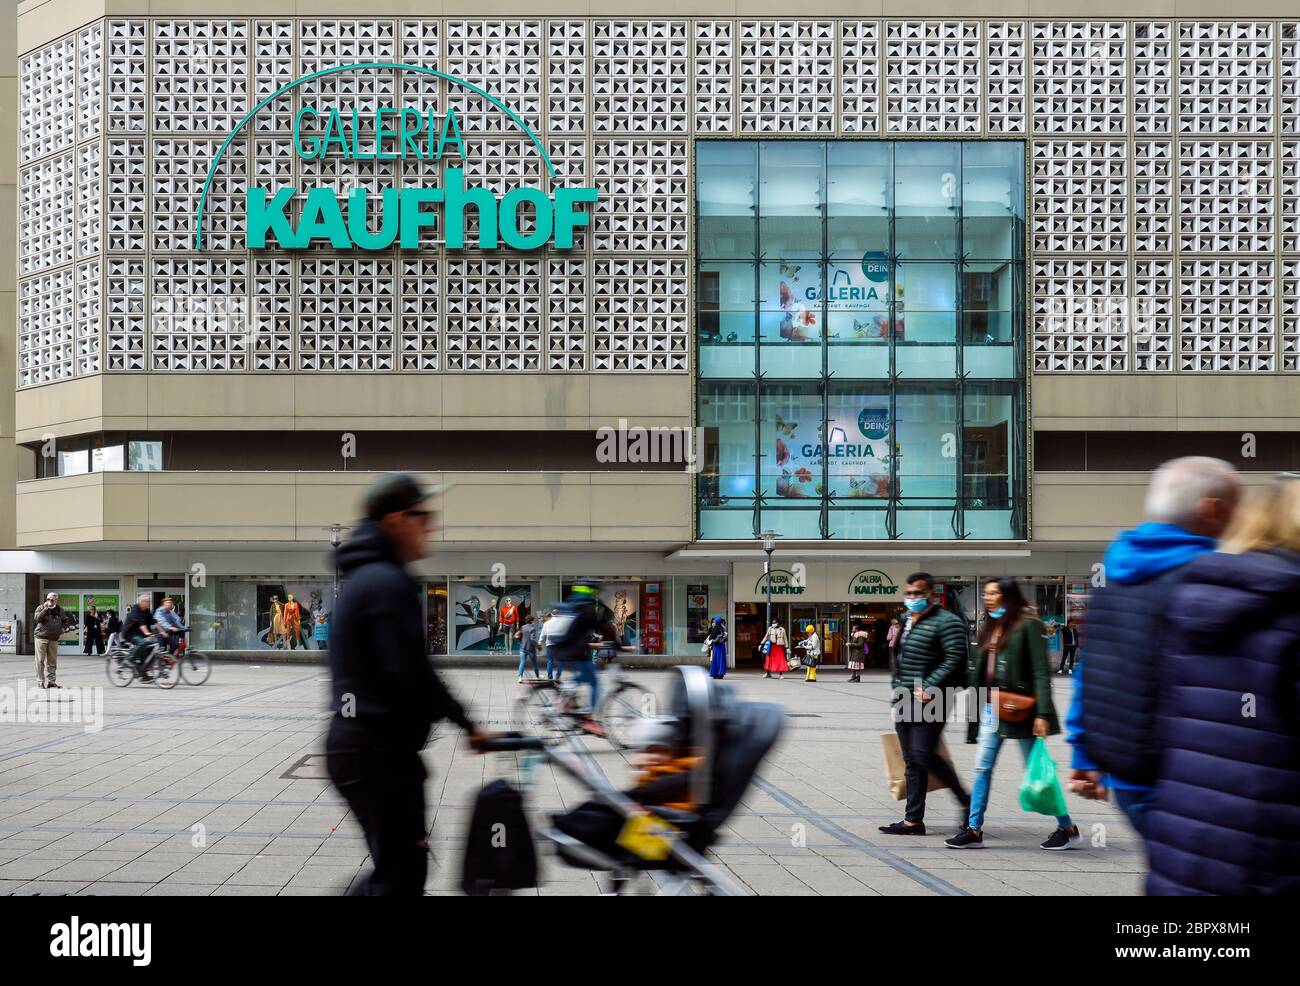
<point>524,218</point>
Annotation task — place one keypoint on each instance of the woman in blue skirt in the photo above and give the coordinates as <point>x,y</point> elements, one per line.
<point>716,642</point>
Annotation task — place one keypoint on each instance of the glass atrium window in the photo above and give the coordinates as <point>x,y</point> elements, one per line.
<point>860,329</point>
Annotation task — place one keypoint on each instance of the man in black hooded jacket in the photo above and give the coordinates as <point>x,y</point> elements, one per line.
<point>386,694</point>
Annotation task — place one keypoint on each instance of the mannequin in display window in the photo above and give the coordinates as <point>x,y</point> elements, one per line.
<point>276,635</point>
<point>293,623</point>
<point>509,620</point>
<point>622,610</point>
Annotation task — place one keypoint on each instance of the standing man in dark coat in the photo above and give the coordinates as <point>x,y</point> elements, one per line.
<point>932,656</point>
<point>386,694</point>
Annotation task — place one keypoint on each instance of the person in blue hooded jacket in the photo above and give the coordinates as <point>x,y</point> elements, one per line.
<point>1111,724</point>
<point>1226,818</point>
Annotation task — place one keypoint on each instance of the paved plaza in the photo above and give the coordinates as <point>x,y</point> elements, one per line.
<point>221,790</point>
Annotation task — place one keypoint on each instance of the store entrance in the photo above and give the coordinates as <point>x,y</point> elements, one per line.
<point>874,619</point>
<point>832,628</point>
<point>751,626</point>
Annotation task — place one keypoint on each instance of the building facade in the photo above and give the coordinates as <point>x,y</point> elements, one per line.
<point>932,287</point>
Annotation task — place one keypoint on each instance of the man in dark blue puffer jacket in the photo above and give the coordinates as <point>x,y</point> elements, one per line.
<point>1226,818</point>
<point>1112,720</point>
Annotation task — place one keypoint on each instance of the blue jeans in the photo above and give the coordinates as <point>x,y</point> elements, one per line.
<point>1135,804</point>
<point>523,656</point>
<point>552,662</point>
<point>585,673</point>
<point>987,755</point>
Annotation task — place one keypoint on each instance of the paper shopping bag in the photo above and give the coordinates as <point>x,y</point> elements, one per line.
<point>896,767</point>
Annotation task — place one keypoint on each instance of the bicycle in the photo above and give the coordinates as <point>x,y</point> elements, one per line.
<point>622,702</point>
<point>122,670</point>
<point>195,667</point>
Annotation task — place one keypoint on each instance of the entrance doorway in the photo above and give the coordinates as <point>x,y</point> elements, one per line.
<point>76,597</point>
<point>874,618</point>
<point>751,626</point>
<point>831,622</point>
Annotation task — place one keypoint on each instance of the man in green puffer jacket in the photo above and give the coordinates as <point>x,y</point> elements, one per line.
<point>932,655</point>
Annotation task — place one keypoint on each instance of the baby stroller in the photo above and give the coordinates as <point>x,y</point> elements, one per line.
<point>615,834</point>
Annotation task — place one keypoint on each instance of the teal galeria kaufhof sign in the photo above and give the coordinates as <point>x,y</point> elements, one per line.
<point>524,218</point>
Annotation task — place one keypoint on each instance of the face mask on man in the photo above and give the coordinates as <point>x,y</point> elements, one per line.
<point>916,605</point>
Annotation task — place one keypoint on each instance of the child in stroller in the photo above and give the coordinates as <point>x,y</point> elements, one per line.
<point>696,764</point>
<point>666,762</point>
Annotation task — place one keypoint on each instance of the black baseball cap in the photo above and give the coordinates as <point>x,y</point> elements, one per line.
<point>392,494</point>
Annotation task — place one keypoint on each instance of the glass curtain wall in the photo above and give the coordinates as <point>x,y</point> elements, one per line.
<point>860,339</point>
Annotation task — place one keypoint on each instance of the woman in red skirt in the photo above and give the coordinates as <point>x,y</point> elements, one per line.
<point>776,643</point>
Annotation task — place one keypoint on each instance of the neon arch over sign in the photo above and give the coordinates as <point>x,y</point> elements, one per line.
<point>336,70</point>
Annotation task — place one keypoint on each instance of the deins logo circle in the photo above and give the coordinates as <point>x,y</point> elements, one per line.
<point>873,422</point>
<point>875,266</point>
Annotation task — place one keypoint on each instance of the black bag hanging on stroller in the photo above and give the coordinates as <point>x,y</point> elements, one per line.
<point>499,851</point>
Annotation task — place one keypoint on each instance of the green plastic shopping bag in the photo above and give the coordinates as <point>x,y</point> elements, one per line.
<point>1040,791</point>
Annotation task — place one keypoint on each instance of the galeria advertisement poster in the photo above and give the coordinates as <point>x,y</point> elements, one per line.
<point>855,306</point>
<point>856,441</point>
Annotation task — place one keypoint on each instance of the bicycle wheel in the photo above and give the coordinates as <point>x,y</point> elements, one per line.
<point>620,713</point>
<point>120,671</point>
<point>195,667</point>
<point>166,670</point>
<point>528,712</point>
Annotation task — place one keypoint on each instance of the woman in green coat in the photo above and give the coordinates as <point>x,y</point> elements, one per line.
<point>1011,656</point>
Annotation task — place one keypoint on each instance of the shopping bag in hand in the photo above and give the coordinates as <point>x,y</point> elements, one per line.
<point>1040,791</point>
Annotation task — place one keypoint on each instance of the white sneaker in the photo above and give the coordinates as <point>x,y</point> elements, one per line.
<point>521,679</point>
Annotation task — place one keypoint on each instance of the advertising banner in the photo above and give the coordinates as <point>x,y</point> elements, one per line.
<point>856,300</point>
<point>855,439</point>
<point>652,617</point>
<point>697,613</point>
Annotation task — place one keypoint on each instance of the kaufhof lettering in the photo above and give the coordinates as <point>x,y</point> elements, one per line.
<point>525,218</point>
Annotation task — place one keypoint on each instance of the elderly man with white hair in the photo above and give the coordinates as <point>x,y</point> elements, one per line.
<point>1112,720</point>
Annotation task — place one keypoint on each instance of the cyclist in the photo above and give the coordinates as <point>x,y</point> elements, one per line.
<point>575,627</point>
<point>137,627</point>
<point>169,624</point>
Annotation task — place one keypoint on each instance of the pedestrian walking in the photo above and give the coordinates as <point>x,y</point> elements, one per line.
<point>94,632</point>
<point>545,643</point>
<point>716,645</point>
<point>1069,647</point>
<point>47,628</point>
<point>114,627</point>
<point>1009,667</point>
<point>859,650</point>
<point>1226,817</point>
<point>776,642</point>
<point>811,646</point>
<point>528,647</point>
<point>891,641</point>
<point>931,664</point>
<point>1111,725</point>
<point>386,695</point>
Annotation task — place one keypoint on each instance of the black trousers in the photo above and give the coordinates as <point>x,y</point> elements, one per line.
<point>94,639</point>
<point>918,741</point>
<point>384,786</point>
<point>1068,656</point>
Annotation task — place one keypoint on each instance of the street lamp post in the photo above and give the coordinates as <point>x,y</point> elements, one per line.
<point>769,545</point>
<point>335,530</point>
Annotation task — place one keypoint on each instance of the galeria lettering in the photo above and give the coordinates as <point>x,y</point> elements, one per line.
<point>101,939</point>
